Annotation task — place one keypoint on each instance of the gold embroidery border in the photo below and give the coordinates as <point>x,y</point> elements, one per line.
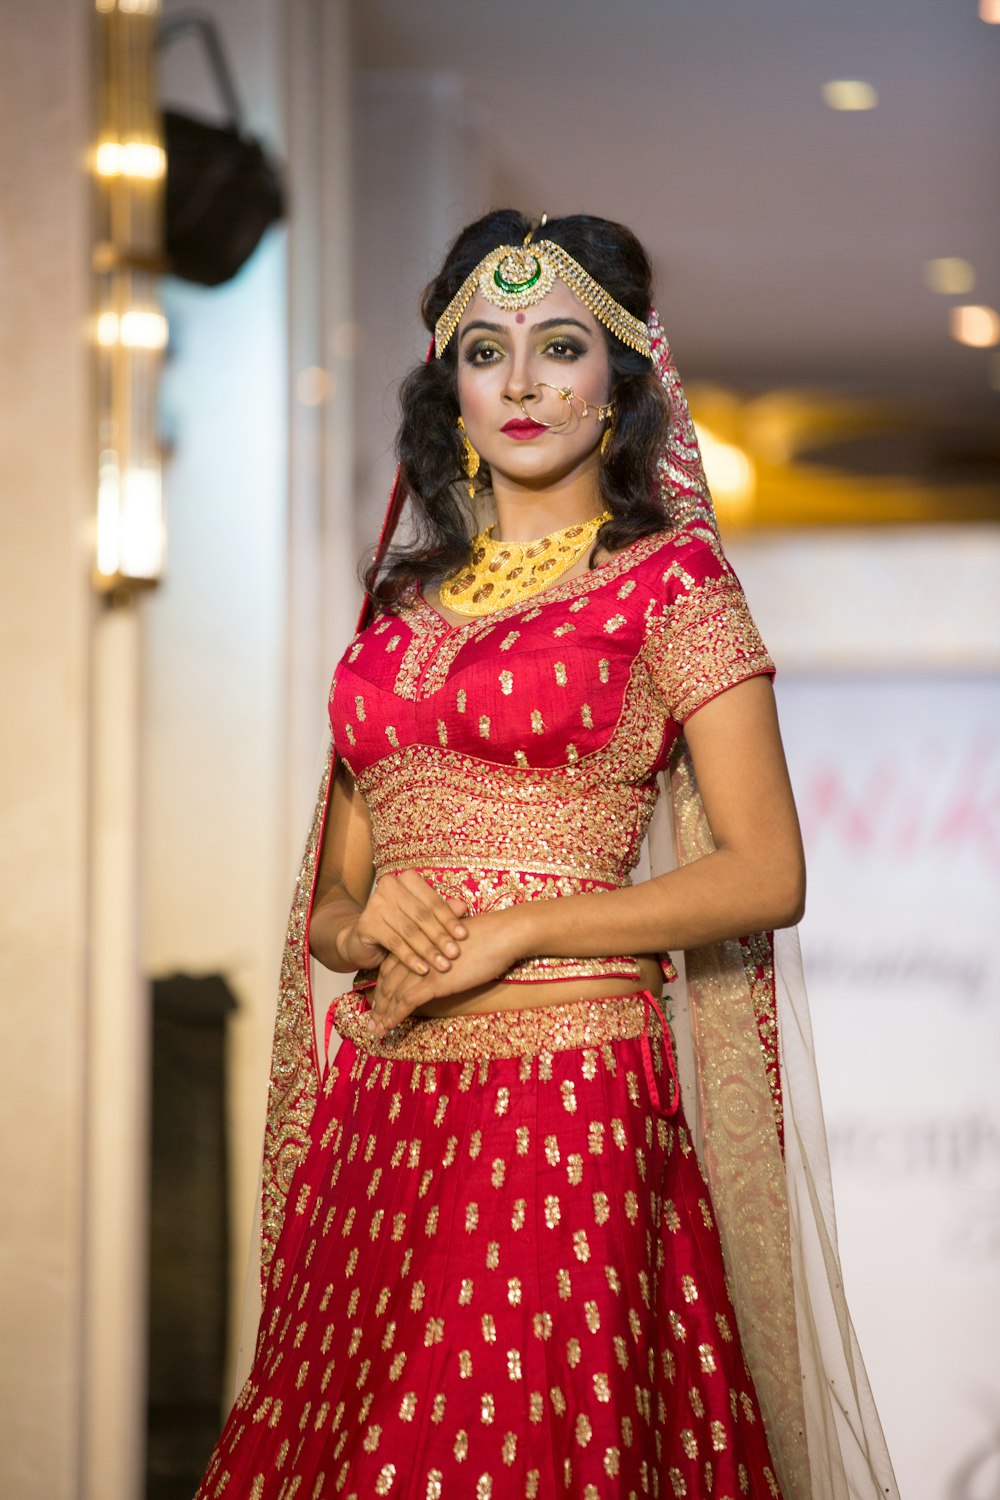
<point>742,1155</point>
<point>294,1081</point>
<point>688,657</point>
<point>525,1032</point>
<point>577,787</point>
<point>758,961</point>
<point>440,642</point>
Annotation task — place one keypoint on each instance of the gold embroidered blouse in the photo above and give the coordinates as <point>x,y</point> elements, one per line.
<point>514,757</point>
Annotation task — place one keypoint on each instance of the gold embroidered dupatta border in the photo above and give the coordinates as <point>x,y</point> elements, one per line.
<point>295,1068</point>
<point>749,1086</point>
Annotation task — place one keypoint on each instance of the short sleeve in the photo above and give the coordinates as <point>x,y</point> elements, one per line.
<point>702,638</point>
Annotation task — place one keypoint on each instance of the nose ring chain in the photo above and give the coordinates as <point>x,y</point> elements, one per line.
<point>567,394</point>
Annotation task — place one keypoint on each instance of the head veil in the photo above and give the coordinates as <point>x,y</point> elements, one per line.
<point>750,1091</point>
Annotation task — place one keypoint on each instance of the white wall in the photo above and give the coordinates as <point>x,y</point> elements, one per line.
<point>215,880</point>
<point>421,173</point>
<point>246,628</point>
<point>45,640</point>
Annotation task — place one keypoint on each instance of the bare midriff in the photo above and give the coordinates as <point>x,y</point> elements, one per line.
<point>482,889</point>
<point>506,996</point>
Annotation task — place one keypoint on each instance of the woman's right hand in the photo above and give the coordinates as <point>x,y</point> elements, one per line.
<point>406,917</point>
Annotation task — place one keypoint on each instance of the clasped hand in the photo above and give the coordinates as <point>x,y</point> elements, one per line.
<point>423,948</point>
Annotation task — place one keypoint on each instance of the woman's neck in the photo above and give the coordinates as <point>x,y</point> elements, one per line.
<point>523,514</point>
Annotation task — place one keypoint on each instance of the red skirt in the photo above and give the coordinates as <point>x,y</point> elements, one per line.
<point>499,1276</point>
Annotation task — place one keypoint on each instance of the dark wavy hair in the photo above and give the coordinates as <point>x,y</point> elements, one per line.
<point>428,443</point>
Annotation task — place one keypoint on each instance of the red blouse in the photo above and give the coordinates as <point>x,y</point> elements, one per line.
<point>515,757</point>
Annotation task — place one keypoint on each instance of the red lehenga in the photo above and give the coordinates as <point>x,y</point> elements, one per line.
<point>500,1256</point>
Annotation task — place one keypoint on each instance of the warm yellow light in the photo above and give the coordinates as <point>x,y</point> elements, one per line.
<point>130,532</point>
<point>107,329</point>
<point>128,7</point>
<point>108,159</point>
<point>142,329</point>
<point>989,10</point>
<point>143,159</point>
<point>849,93</point>
<point>140,159</point>
<point>950,275</point>
<point>729,472</point>
<point>142,524</point>
<point>138,328</point>
<point>979,327</point>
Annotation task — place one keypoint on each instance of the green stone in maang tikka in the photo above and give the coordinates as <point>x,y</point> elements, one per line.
<point>516,288</point>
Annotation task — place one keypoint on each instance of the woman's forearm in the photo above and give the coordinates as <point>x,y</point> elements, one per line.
<point>722,895</point>
<point>328,926</point>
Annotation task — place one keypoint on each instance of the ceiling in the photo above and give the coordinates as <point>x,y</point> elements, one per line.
<point>789,240</point>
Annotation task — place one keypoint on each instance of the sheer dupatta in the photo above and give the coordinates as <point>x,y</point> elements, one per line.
<point>751,1096</point>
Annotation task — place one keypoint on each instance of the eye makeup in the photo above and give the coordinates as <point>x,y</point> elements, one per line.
<point>563,347</point>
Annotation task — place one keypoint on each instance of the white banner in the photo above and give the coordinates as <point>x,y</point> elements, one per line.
<point>898,787</point>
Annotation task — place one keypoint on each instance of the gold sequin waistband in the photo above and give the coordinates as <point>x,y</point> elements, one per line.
<point>498,1033</point>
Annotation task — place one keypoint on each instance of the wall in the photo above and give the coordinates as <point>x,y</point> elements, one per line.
<point>421,170</point>
<point>213,692</point>
<point>244,631</point>
<point>45,629</point>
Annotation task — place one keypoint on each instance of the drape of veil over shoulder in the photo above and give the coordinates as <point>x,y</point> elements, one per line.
<point>751,1096</point>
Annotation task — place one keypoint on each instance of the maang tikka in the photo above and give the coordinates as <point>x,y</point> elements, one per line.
<point>512,277</point>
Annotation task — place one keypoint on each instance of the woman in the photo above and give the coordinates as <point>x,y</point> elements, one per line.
<point>503,1256</point>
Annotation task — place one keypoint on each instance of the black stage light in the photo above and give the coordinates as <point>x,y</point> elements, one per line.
<point>223,190</point>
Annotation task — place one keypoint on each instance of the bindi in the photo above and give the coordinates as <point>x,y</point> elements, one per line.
<point>519,318</point>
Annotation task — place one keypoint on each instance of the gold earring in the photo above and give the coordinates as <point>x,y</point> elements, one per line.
<point>606,438</point>
<point>470,459</point>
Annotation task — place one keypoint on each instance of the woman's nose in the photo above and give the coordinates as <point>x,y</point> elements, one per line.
<point>520,386</point>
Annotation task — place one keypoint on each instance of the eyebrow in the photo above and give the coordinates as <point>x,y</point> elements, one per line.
<point>535,327</point>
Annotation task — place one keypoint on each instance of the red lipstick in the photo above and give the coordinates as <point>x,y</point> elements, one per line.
<point>521,429</point>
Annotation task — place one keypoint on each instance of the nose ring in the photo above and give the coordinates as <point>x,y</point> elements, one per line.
<point>567,394</point>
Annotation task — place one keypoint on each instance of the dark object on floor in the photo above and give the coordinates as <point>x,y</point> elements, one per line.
<point>189,1230</point>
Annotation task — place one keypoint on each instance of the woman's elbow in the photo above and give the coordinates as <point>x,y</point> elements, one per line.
<point>794,913</point>
<point>777,889</point>
<point>790,897</point>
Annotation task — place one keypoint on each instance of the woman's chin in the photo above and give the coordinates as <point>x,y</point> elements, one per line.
<point>540,470</point>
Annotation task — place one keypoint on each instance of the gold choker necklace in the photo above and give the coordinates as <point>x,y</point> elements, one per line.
<point>501,573</point>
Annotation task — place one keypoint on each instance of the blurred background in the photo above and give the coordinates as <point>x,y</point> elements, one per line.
<point>204,317</point>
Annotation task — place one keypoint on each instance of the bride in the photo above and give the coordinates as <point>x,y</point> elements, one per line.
<point>551,1220</point>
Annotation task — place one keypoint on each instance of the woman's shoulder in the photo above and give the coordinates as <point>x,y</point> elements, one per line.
<point>674,561</point>
<point>690,586</point>
<point>383,613</point>
<point>700,637</point>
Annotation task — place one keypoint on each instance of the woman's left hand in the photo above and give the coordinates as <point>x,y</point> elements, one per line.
<point>487,951</point>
